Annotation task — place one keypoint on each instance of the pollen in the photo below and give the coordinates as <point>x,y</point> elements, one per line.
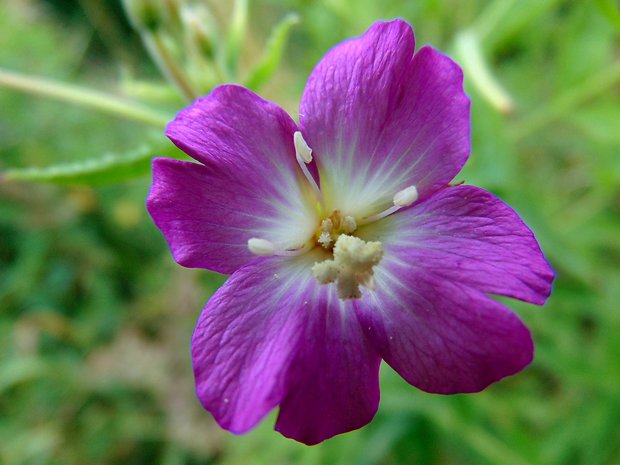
<point>261,247</point>
<point>351,267</point>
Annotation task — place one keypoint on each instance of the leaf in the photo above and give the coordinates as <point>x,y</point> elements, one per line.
<point>21,370</point>
<point>272,55</point>
<point>110,168</point>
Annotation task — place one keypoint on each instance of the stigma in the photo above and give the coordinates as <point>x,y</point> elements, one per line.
<point>351,267</point>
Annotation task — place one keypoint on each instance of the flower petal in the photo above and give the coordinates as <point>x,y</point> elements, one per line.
<point>333,384</point>
<point>271,335</point>
<point>249,186</point>
<point>466,235</point>
<point>380,119</point>
<point>440,336</point>
<point>429,317</point>
<point>244,341</point>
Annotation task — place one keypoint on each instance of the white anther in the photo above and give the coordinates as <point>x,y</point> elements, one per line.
<point>303,153</point>
<point>261,247</point>
<point>402,198</point>
<point>349,224</point>
<point>406,197</point>
<point>302,150</point>
<point>265,248</point>
<point>327,225</point>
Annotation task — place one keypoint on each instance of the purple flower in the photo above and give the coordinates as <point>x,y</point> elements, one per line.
<point>345,242</point>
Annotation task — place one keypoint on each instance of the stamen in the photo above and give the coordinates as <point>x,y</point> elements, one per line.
<point>349,224</point>
<point>295,252</point>
<point>402,198</point>
<point>303,153</point>
<point>261,247</point>
<point>327,225</point>
<point>406,197</point>
<point>265,248</point>
<point>301,148</point>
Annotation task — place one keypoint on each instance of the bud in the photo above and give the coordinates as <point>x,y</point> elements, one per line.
<point>144,14</point>
<point>200,28</point>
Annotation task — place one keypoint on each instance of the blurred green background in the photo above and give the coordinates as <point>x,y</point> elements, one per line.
<point>96,319</point>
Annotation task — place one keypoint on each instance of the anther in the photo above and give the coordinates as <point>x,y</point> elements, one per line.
<point>402,198</point>
<point>303,153</point>
<point>265,248</point>
<point>327,225</point>
<point>348,224</point>
<point>406,197</point>
<point>261,247</point>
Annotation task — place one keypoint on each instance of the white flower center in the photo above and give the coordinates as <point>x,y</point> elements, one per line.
<point>353,258</point>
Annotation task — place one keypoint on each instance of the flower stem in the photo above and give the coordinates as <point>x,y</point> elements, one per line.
<point>469,48</point>
<point>88,98</point>
<point>157,48</point>
<point>565,103</point>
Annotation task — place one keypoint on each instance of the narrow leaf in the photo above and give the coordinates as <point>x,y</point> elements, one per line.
<point>110,168</point>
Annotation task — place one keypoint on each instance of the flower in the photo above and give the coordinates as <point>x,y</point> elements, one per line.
<point>345,241</point>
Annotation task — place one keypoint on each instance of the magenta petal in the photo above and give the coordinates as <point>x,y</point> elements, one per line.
<point>468,236</point>
<point>442,337</point>
<point>333,384</point>
<point>248,186</point>
<point>271,335</point>
<point>429,317</point>
<point>243,345</point>
<point>234,125</point>
<point>381,119</point>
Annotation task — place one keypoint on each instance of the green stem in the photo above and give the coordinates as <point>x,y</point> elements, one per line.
<point>88,98</point>
<point>156,46</point>
<point>108,29</point>
<point>561,106</point>
<point>469,49</point>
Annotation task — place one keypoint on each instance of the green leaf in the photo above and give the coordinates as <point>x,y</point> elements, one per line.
<point>236,34</point>
<point>272,55</point>
<point>21,370</point>
<point>110,168</point>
